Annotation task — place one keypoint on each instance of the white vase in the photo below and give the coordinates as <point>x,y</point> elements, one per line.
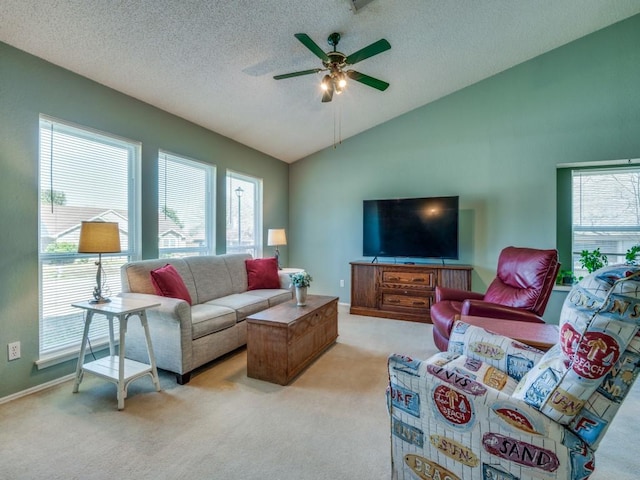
<point>301,296</point>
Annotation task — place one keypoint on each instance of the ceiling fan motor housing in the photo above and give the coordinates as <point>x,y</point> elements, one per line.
<point>333,39</point>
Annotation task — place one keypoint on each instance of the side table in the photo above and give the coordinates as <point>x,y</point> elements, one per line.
<point>117,368</point>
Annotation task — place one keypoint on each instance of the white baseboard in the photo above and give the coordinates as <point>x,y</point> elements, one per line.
<point>37,388</point>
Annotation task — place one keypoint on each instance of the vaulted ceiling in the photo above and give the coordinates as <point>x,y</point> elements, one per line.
<point>213,62</point>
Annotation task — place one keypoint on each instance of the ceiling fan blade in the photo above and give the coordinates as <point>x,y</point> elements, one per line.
<point>311,45</point>
<point>297,74</point>
<point>327,95</point>
<point>366,52</point>
<point>367,80</point>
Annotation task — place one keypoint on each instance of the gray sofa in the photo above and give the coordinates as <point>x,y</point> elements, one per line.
<point>185,336</point>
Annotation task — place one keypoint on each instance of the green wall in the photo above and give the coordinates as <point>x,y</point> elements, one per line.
<point>496,144</point>
<point>29,87</point>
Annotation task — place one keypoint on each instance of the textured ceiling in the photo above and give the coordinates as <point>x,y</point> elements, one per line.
<point>212,62</point>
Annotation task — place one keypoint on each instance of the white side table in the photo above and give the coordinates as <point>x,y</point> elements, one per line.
<point>116,368</point>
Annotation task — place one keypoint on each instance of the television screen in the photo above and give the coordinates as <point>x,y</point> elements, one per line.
<point>411,227</point>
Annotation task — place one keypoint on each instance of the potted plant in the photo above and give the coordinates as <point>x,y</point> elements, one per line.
<point>565,277</point>
<point>301,280</point>
<point>593,260</point>
<point>632,254</point>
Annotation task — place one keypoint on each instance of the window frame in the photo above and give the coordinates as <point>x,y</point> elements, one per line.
<point>210,171</point>
<point>132,251</point>
<point>565,240</point>
<point>256,250</point>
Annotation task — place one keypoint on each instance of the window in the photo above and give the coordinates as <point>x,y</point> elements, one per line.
<point>185,207</point>
<point>244,214</point>
<point>604,213</point>
<point>84,175</point>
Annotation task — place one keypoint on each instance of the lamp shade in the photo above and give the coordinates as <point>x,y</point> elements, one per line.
<point>99,237</point>
<point>276,236</point>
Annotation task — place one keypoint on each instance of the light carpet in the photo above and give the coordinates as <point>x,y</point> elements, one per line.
<point>329,423</point>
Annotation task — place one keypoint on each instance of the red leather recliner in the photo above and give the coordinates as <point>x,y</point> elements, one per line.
<point>520,291</point>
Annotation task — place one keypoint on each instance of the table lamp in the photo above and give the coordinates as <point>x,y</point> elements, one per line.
<point>275,238</point>
<point>99,237</point>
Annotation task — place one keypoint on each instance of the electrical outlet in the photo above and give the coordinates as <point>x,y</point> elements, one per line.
<point>342,283</point>
<point>13,350</point>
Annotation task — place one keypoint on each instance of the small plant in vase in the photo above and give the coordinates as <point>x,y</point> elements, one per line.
<point>301,280</point>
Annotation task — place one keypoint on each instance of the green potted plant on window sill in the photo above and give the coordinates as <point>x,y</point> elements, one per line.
<point>565,278</point>
<point>593,260</point>
<point>631,255</point>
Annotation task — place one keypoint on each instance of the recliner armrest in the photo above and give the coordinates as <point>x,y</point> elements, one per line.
<point>453,294</point>
<point>479,308</point>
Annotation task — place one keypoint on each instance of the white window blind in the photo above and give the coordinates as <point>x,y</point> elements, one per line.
<point>84,175</point>
<point>186,206</point>
<point>244,214</point>
<point>605,212</point>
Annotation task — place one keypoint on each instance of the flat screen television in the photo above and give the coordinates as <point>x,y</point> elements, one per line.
<point>411,227</point>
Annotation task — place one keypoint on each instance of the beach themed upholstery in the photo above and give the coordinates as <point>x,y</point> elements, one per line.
<point>491,408</point>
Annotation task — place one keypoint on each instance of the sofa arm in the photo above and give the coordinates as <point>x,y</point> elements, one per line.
<point>479,308</point>
<point>412,386</point>
<point>506,354</point>
<point>430,405</point>
<point>285,280</point>
<point>452,294</point>
<point>171,333</point>
<point>171,309</point>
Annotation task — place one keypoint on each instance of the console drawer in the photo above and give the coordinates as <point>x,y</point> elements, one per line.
<point>424,278</point>
<point>391,300</point>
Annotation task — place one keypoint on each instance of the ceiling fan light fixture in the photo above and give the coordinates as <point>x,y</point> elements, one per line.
<point>342,80</point>
<point>326,83</point>
<point>339,82</point>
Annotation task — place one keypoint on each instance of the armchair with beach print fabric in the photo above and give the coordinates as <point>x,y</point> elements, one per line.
<point>491,408</point>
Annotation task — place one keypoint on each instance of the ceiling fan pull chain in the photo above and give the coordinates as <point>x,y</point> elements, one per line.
<point>340,123</point>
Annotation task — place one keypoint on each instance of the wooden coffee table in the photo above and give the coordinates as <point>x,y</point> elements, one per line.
<point>283,340</point>
<point>542,336</point>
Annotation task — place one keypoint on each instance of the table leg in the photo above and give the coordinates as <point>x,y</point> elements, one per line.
<point>152,358</point>
<point>83,346</point>
<point>112,344</point>
<point>122,393</point>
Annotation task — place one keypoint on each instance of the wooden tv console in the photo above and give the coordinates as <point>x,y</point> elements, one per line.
<point>402,291</point>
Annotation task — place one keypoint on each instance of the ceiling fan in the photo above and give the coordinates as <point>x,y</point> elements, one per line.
<point>335,63</point>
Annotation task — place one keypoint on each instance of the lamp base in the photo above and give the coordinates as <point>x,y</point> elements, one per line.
<point>99,300</point>
<point>277,255</point>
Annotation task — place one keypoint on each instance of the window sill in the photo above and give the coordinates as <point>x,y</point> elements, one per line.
<point>562,288</point>
<point>69,354</point>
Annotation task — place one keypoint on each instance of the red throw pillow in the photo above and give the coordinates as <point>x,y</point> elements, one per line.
<point>168,283</point>
<point>262,273</point>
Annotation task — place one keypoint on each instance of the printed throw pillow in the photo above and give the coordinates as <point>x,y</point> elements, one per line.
<point>168,283</point>
<point>599,318</point>
<point>262,273</point>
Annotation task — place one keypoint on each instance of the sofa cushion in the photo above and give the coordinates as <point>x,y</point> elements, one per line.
<point>238,270</point>
<point>244,304</point>
<point>275,296</point>
<point>206,319</point>
<point>168,283</point>
<point>262,273</point>
<point>135,276</point>
<point>211,276</point>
